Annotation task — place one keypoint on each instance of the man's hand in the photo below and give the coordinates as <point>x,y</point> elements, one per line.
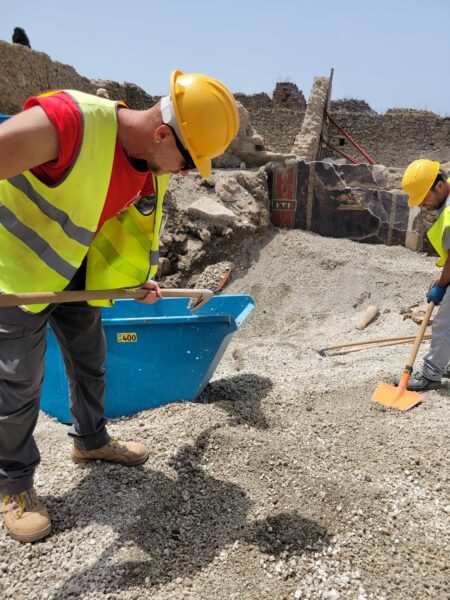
<point>154,294</point>
<point>436,294</point>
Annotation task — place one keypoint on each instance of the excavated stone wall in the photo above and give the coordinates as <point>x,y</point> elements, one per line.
<point>212,223</point>
<point>25,72</point>
<point>287,95</point>
<point>233,208</point>
<point>278,126</point>
<point>394,138</point>
<point>344,201</point>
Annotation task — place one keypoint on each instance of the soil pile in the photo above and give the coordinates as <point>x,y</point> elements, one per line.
<point>283,481</point>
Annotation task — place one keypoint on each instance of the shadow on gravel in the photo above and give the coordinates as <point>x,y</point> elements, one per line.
<point>184,522</point>
<point>240,396</point>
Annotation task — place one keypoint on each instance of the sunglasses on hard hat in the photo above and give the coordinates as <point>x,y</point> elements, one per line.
<point>188,162</point>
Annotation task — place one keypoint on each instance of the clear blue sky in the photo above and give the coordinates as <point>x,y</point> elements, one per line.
<point>391,53</point>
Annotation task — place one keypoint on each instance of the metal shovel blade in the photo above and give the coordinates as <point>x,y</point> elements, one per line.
<point>392,396</point>
<point>400,397</point>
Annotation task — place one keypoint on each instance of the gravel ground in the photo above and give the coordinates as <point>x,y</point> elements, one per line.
<point>283,481</point>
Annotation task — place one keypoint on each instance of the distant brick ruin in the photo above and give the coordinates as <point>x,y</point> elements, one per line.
<point>287,95</point>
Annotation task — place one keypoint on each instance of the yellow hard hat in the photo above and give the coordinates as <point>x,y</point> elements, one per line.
<point>207,116</point>
<point>418,179</point>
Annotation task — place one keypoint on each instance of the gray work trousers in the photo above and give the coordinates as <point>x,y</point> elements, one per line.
<point>437,358</point>
<point>78,329</point>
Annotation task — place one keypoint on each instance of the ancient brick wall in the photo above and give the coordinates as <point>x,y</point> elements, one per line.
<point>395,138</point>
<point>25,72</point>
<point>278,126</point>
<point>287,95</point>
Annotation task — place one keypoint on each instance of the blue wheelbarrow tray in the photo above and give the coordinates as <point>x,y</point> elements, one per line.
<point>156,353</point>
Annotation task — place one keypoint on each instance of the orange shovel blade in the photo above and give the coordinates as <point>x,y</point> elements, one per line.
<point>396,397</point>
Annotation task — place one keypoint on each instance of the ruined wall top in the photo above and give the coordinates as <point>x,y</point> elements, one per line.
<point>350,104</point>
<point>393,138</point>
<point>25,72</point>
<point>287,95</point>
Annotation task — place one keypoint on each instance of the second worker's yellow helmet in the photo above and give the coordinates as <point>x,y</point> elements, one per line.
<point>418,179</point>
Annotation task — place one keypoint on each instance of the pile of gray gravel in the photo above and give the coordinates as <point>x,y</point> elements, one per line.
<point>283,481</point>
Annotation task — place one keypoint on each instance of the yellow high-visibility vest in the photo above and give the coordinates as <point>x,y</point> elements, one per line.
<point>438,233</point>
<point>46,231</point>
<point>125,252</point>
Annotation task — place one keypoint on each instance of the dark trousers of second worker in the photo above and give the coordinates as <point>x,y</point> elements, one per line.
<point>78,329</point>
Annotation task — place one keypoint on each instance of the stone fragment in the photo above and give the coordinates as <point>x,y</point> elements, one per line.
<point>164,266</point>
<point>204,235</point>
<point>208,209</point>
<point>367,316</point>
<point>193,245</point>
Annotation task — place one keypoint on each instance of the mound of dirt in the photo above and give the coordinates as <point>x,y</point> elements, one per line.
<point>283,481</point>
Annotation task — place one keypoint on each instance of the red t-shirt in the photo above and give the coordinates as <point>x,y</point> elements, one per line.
<point>126,183</point>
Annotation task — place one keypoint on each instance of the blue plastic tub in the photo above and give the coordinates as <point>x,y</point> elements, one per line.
<point>156,353</point>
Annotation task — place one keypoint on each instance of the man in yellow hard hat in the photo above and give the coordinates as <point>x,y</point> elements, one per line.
<point>427,186</point>
<point>82,181</point>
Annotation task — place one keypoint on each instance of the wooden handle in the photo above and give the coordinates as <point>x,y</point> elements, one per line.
<point>25,298</point>
<point>419,336</point>
<point>405,338</point>
<point>378,344</point>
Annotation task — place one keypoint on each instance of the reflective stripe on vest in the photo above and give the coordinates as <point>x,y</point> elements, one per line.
<point>125,253</point>
<point>77,233</point>
<point>45,231</point>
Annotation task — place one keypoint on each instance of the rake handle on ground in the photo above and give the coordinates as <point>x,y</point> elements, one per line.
<point>7,300</point>
<point>364,342</point>
<point>356,347</point>
<point>379,341</point>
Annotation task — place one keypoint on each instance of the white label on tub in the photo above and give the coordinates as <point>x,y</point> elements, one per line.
<point>127,337</point>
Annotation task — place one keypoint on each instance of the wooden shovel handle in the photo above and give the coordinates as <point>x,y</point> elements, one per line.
<point>419,336</point>
<point>7,300</point>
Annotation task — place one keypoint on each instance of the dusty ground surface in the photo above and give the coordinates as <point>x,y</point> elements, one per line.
<point>283,480</point>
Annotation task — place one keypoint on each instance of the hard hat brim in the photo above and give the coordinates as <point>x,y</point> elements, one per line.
<point>203,164</point>
<point>416,200</point>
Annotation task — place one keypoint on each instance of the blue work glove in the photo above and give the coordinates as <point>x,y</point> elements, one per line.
<point>436,294</point>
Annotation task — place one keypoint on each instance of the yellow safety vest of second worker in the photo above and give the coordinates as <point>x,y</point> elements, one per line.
<point>438,234</point>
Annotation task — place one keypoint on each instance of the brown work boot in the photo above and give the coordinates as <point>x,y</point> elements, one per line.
<point>26,519</point>
<point>129,454</point>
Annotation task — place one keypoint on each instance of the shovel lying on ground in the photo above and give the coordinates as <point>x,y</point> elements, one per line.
<point>399,397</point>
<point>200,296</point>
